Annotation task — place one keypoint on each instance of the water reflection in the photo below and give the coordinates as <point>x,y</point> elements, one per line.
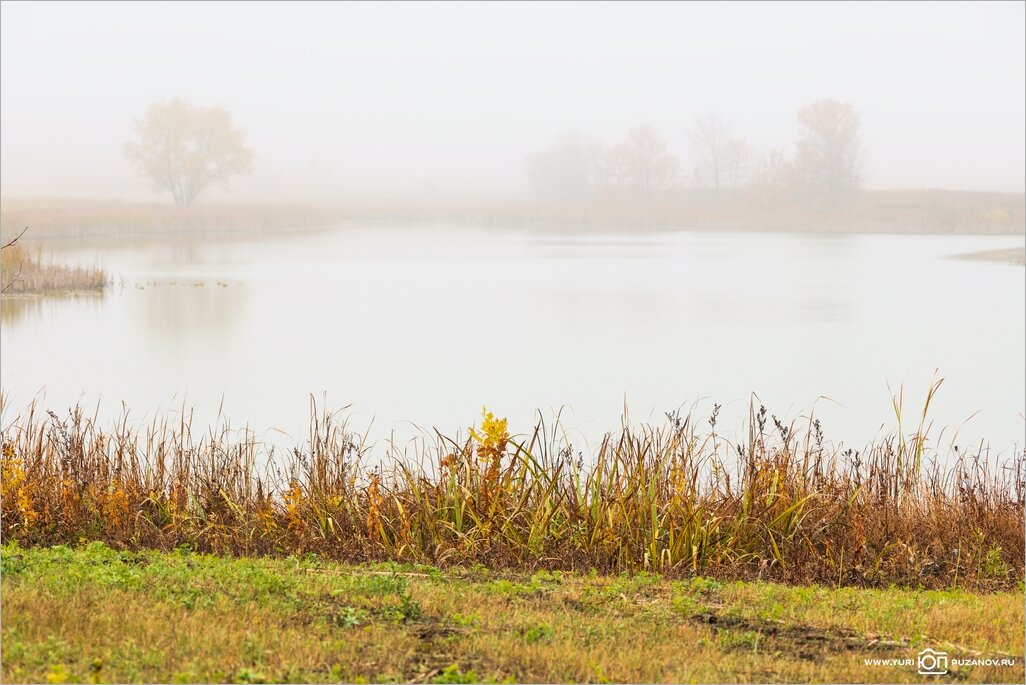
<point>425,324</point>
<point>14,308</point>
<point>175,310</point>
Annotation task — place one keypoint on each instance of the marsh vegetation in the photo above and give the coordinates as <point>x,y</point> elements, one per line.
<point>673,498</point>
<point>25,270</point>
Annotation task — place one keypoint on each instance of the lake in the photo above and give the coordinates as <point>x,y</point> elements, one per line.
<point>423,324</point>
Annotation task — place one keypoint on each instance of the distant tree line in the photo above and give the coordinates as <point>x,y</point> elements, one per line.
<point>823,169</point>
<point>185,149</point>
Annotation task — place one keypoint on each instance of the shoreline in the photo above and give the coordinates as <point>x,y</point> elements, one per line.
<point>1015,256</point>
<point>873,212</point>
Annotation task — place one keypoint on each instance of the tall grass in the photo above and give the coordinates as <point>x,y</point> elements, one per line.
<point>673,498</point>
<point>24,271</point>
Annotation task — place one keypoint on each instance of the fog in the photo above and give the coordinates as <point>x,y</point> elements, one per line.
<point>395,99</point>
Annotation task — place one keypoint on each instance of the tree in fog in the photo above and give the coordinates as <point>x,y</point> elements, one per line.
<point>772,179</point>
<point>641,163</point>
<point>737,157</point>
<point>565,170</point>
<point>722,160</point>
<point>185,149</point>
<point>828,154</point>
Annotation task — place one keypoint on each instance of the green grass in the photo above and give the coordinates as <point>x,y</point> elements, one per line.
<point>92,613</point>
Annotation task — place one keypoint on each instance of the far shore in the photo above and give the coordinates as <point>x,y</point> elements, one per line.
<point>1010,255</point>
<point>871,212</point>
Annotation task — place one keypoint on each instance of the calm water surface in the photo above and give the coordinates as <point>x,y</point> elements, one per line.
<point>426,324</point>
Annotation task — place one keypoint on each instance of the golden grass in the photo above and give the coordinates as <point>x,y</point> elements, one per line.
<point>673,498</point>
<point>23,272</point>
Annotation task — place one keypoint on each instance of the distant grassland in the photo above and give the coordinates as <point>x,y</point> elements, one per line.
<point>912,211</point>
<point>90,613</point>
<point>75,218</point>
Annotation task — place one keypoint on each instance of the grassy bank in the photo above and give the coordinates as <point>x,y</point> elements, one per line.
<point>907,211</point>
<point>94,614</point>
<point>676,498</point>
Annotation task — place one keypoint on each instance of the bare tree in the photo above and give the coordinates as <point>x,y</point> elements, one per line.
<point>708,136</point>
<point>736,164</point>
<point>565,170</point>
<point>722,159</point>
<point>641,163</point>
<point>829,151</point>
<point>772,179</point>
<point>185,149</point>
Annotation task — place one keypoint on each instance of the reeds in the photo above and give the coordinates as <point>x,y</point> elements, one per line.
<point>23,271</point>
<point>673,498</point>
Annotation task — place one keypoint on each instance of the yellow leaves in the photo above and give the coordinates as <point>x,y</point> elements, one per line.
<point>492,439</point>
<point>12,476</point>
<point>267,520</point>
<point>58,674</point>
<point>12,470</point>
<point>493,435</point>
<point>69,495</point>
<point>14,486</point>
<point>115,506</point>
<point>293,505</point>
<point>491,448</point>
<point>374,508</point>
<point>25,505</point>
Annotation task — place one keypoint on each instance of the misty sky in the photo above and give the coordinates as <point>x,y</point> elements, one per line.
<point>340,100</point>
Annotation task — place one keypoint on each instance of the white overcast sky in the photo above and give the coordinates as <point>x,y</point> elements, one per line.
<point>344,99</point>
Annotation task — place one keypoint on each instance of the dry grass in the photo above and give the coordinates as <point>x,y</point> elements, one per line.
<point>674,498</point>
<point>186,617</point>
<point>23,271</point>
<point>59,219</point>
<point>909,211</point>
